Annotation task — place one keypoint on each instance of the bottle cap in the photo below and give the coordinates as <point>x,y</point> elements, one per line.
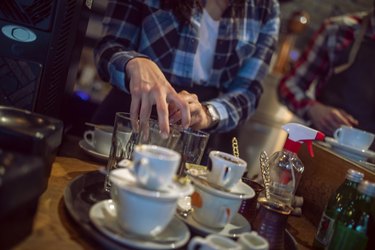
<point>355,176</point>
<point>367,188</point>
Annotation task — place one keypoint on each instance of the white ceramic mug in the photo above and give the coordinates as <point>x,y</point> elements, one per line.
<point>353,137</point>
<point>155,166</point>
<point>252,241</point>
<point>142,211</point>
<point>213,242</point>
<point>225,169</point>
<point>100,139</point>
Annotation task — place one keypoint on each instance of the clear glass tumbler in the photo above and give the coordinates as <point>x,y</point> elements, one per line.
<point>128,132</point>
<point>191,145</point>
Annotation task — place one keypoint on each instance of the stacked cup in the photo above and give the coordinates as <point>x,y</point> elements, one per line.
<point>144,192</point>
<point>218,197</point>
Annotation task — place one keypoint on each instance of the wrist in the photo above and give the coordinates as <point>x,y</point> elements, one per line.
<point>212,115</point>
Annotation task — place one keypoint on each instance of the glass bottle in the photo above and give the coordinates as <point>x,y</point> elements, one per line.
<point>351,229</point>
<point>346,192</point>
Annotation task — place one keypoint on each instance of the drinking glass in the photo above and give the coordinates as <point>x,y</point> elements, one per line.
<point>128,132</point>
<point>191,145</point>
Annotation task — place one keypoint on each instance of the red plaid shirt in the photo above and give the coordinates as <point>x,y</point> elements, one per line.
<point>318,61</point>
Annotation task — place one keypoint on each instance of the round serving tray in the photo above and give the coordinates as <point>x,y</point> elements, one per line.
<point>81,193</point>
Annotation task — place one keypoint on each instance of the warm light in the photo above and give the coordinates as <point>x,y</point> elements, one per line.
<point>303,20</point>
<point>4,119</point>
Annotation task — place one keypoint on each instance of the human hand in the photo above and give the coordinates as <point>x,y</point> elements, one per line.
<point>199,116</point>
<point>148,86</point>
<point>327,119</point>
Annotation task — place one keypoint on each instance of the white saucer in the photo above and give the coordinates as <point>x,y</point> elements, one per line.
<point>91,150</point>
<point>237,226</point>
<point>368,165</point>
<point>350,152</point>
<point>125,178</point>
<point>238,191</point>
<point>103,216</point>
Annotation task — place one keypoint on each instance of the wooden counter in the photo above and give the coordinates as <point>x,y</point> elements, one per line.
<point>54,229</point>
<point>323,174</point>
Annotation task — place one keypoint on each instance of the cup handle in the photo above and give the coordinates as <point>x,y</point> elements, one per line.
<point>88,136</point>
<point>114,193</point>
<point>139,169</point>
<point>226,175</point>
<point>337,133</point>
<point>225,215</point>
<point>196,242</point>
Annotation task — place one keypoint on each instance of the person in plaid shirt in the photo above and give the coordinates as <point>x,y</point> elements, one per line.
<point>342,96</point>
<point>200,63</point>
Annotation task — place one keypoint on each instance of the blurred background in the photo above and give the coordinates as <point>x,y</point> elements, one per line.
<point>299,19</point>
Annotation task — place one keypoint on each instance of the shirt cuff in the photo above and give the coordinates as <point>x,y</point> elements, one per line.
<point>116,68</point>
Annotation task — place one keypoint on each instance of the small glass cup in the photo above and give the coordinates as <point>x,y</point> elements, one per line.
<point>128,132</point>
<point>191,145</point>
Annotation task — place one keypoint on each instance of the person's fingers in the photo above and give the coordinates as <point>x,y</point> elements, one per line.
<point>175,117</point>
<point>183,106</point>
<point>146,107</point>
<point>163,114</point>
<point>144,116</point>
<point>340,118</point>
<point>134,111</point>
<point>350,118</point>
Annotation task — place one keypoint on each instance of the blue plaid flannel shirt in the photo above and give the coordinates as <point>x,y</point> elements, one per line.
<point>243,51</point>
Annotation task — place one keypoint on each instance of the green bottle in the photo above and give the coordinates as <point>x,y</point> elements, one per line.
<point>352,225</point>
<point>346,192</point>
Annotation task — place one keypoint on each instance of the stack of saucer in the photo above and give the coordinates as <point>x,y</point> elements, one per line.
<point>218,196</point>
<point>144,193</point>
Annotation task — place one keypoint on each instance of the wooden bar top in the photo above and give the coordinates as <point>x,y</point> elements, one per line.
<point>54,229</point>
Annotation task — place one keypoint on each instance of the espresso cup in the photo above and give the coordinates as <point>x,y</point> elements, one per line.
<point>252,241</point>
<point>216,208</point>
<point>142,211</point>
<point>100,139</point>
<point>353,137</point>
<point>155,166</point>
<point>225,169</point>
<point>213,242</point>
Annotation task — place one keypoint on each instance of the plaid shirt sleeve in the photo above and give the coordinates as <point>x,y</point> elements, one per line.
<point>243,71</point>
<point>317,63</point>
<point>119,45</point>
<point>242,94</point>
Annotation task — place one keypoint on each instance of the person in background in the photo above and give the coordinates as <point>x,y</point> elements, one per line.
<point>198,63</point>
<point>340,60</point>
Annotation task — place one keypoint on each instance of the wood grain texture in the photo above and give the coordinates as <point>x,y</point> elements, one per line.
<point>53,229</point>
<point>323,174</point>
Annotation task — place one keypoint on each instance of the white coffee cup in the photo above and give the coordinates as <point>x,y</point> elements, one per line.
<point>225,169</point>
<point>142,211</point>
<point>216,208</point>
<point>353,137</point>
<point>213,242</point>
<point>155,166</point>
<point>252,241</point>
<point>100,139</point>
